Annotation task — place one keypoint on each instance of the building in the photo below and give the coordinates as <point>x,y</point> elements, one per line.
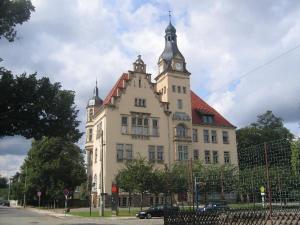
<point>163,121</point>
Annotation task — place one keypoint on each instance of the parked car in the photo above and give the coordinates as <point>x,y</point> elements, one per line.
<point>4,203</point>
<point>214,206</point>
<point>156,211</point>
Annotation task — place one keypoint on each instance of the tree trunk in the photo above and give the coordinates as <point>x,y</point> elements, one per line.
<point>129,201</point>
<point>142,200</point>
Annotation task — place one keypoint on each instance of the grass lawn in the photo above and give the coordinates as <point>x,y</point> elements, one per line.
<point>107,213</point>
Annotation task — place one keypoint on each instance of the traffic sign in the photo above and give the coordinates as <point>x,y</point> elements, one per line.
<point>262,189</point>
<point>39,194</point>
<point>66,192</point>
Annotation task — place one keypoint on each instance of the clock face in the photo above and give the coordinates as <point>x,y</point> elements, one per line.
<point>178,66</point>
<point>92,102</point>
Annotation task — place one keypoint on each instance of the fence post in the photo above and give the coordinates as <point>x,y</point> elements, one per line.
<point>268,181</point>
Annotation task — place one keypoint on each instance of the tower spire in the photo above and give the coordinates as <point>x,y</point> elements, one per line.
<point>170,16</point>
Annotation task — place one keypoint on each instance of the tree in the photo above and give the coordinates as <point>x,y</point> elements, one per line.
<point>13,12</point>
<point>295,160</point>
<point>35,108</point>
<point>138,173</point>
<point>52,164</point>
<point>3,182</point>
<point>125,181</point>
<point>268,127</point>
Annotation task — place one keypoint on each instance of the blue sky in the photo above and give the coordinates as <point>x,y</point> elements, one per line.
<point>76,41</point>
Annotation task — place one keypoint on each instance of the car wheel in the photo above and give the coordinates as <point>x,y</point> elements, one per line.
<point>148,216</point>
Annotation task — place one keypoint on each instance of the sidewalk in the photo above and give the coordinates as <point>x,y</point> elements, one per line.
<point>56,212</point>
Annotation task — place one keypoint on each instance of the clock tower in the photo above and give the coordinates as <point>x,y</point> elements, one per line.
<point>173,84</point>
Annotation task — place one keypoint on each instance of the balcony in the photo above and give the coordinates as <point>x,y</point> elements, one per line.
<point>183,138</point>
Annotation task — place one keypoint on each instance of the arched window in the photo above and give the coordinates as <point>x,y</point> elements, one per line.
<point>181,130</point>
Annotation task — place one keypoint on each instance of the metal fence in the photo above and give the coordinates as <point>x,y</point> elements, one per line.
<point>234,217</point>
<point>267,175</point>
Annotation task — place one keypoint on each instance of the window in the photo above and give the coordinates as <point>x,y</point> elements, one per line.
<point>128,149</point>
<point>124,121</point>
<point>124,201</point>
<point>181,130</point>
<point>206,136</point>
<point>215,157</point>
<point>90,114</point>
<point>179,103</point>
<point>184,90</point>
<point>140,102</point>
<point>208,119</point>
<point>173,88</point>
<point>182,152</point>
<point>155,131</point>
<point>207,157</point>
<point>196,154</point>
<point>225,137</point>
<point>214,136</point>
<point>96,155</point>
<point>124,125</point>
<point>140,126</point>
<point>195,135</point>
<point>151,152</point>
<point>90,137</point>
<point>99,130</point>
<point>119,152</point>
<point>140,83</point>
<point>160,153</point>
<point>226,157</point>
<point>95,182</point>
<point>178,89</point>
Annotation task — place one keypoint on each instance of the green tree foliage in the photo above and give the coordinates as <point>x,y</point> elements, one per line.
<point>138,176</point>
<point>295,157</point>
<point>52,164</point>
<point>3,182</point>
<point>12,13</point>
<point>35,108</point>
<point>216,178</point>
<point>268,127</point>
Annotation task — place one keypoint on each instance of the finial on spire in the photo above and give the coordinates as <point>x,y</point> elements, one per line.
<point>170,16</point>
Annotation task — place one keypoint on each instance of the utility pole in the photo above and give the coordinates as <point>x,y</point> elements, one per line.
<point>9,186</point>
<point>102,202</point>
<point>24,199</point>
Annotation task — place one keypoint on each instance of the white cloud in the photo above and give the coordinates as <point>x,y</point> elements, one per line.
<point>221,40</point>
<point>10,164</point>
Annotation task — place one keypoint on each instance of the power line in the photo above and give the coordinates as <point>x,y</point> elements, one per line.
<point>259,67</point>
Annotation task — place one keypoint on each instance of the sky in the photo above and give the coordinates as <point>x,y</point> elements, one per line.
<point>243,55</point>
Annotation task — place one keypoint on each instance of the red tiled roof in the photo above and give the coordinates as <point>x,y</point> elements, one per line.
<point>198,105</point>
<point>113,91</point>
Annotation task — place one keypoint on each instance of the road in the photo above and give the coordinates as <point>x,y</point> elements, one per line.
<point>19,216</point>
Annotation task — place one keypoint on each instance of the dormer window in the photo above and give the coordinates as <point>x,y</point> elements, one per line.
<point>208,119</point>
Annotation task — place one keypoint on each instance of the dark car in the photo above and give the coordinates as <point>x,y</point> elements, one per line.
<point>214,206</point>
<point>156,211</point>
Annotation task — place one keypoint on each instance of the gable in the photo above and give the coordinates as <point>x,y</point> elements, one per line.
<point>200,107</point>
